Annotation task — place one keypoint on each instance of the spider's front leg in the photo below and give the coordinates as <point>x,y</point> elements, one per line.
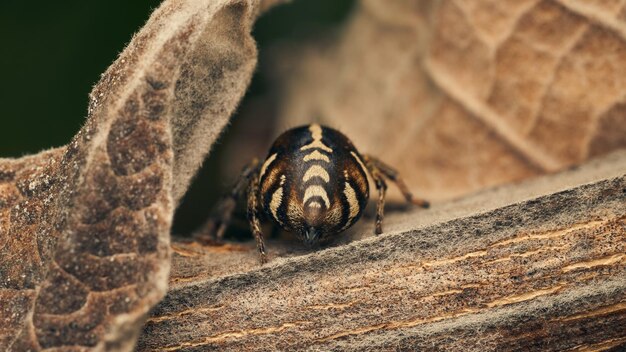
<point>393,175</point>
<point>381,186</point>
<point>213,230</point>
<point>253,216</point>
<point>379,170</point>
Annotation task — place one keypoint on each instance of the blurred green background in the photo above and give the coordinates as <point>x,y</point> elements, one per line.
<point>53,53</point>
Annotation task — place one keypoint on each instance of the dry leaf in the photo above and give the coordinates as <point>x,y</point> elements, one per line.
<point>84,229</point>
<point>462,95</point>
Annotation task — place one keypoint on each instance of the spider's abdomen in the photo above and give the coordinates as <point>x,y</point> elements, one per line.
<point>313,182</point>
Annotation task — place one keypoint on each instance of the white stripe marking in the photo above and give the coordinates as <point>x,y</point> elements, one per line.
<point>353,202</point>
<point>316,155</point>
<point>267,163</point>
<point>319,191</point>
<point>277,198</point>
<point>316,133</point>
<point>316,171</point>
<point>314,204</point>
<point>360,162</point>
<point>275,203</point>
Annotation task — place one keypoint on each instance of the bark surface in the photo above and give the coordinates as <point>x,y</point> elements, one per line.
<point>536,266</point>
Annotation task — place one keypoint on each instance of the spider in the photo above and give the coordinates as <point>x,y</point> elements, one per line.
<point>313,183</point>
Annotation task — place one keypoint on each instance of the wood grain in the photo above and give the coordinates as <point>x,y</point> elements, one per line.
<point>539,273</point>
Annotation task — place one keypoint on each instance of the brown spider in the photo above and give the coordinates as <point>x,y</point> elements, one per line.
<point>313,183</point>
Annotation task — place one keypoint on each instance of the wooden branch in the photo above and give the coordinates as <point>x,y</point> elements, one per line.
<point>535,266</point>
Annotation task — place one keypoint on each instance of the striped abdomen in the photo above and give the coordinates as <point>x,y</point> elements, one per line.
<point>313,182</point>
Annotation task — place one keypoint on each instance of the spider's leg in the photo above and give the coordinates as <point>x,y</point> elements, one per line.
<point>215,226</point>
<point>253,216</point>
<point>381,186</point>
<point>393,175</point>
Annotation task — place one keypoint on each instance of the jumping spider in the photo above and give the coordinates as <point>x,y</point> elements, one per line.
<point>313,183</point>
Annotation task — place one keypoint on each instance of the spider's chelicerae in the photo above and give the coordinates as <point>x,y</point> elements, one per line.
<point>313,182</point>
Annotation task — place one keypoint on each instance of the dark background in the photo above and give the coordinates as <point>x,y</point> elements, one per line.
<point>53,53</point>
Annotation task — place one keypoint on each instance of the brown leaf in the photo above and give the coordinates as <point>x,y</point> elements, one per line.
<point>84,229</point>
<point>462,95</point>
